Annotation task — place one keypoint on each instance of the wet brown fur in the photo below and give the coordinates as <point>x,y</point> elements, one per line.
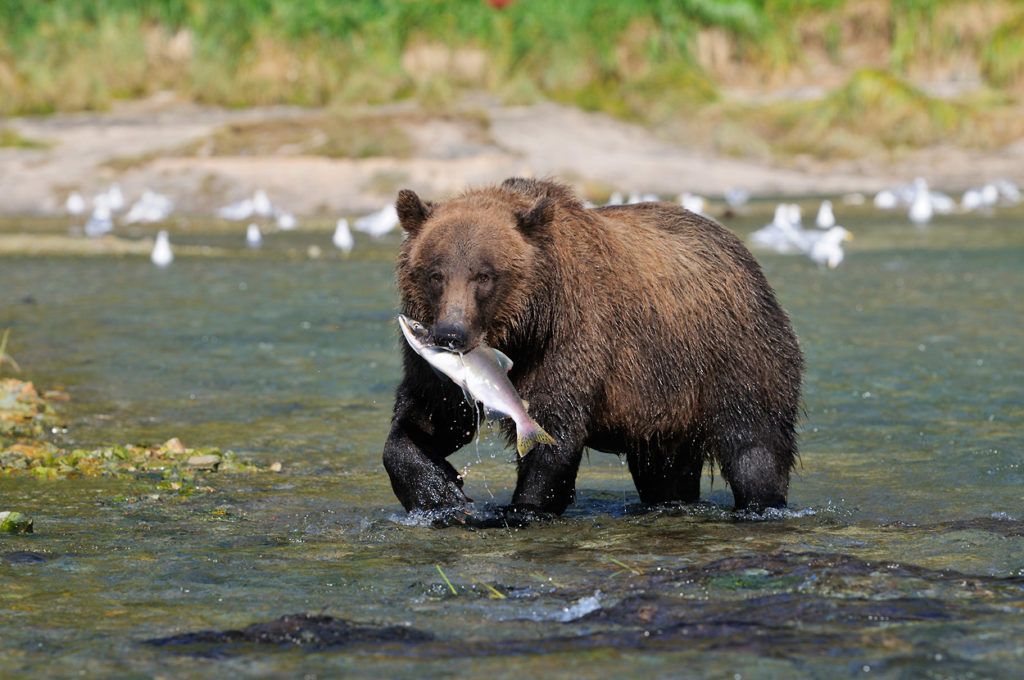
<point>643,329</point>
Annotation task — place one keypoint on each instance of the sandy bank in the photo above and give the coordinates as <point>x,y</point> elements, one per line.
<point>592,150</point>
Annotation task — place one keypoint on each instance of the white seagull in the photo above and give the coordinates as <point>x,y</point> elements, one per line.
<point>921,207</point>
<point>827,248</point>
<point>971,200</point>
<point>151,207</point>
<point>115,199</point>
<point>162,255</point>
<point>242,210</point>
<point>379,223</point>
<point>261,204</point>
<point>637,197</point>
<point>342,238</point>
<point>99,222</point>
<point>989,195</point>
<point>736,197</point>
<point>886,199</point>
<point>826,219</point>
<point>253,237</point>
<point>692,202</point>
<point>782,235</point>
<point>286,221</point>
<point>1008,190</point>
<point>75,205</point>
<point>258,205</point>
<point>795,215</point>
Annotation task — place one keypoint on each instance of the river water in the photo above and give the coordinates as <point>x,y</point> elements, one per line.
<point>902,553</point>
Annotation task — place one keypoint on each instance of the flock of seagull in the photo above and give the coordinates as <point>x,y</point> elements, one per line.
<point>785,234</point>
<point>922,203</point>
<point>153,207</point>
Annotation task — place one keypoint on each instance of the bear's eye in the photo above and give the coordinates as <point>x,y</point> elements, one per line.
<point>436,277</point>
<point>482,278</point>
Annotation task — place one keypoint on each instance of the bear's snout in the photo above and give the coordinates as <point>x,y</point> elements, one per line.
<point>451,336</point>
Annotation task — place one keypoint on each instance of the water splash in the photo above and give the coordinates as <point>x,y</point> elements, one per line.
<point>582,607</point>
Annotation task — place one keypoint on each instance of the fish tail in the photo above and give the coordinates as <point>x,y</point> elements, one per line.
<point>532,435</point>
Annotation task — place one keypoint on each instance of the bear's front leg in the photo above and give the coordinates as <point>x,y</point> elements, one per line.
<point>547,476</point>
<point>420,480</point>
<point>416,450</point>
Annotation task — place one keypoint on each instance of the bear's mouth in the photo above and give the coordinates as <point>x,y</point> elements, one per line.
<point>453,340</point>
<point>453,346</point>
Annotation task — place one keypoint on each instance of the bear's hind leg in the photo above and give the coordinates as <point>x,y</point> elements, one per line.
<point>666,475</point>
<point>758,477</point>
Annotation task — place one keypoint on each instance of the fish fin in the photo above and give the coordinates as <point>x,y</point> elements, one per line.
<point>534,435</point>
<point>503,360</point>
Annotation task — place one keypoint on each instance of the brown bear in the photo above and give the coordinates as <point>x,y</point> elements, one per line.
<point>643,330</point>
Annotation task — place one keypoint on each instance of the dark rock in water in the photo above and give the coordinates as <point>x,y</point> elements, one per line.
<point>23,557</point>
<point>299,630</point>
<point>781,605</point>
<point>996,525</point>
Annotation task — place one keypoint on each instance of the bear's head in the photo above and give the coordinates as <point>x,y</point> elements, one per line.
<point>465,269</point>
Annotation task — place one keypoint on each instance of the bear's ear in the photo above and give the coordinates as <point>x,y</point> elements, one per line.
<point>533,220</point>
<point>412,212</point>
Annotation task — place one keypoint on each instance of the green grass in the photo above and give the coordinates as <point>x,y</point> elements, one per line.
<point>872,105</point>
<point>1003,55</point>
<point>67,55</point>
<point>641,60</point>
<point>873,114</point>
<point>10,138</point>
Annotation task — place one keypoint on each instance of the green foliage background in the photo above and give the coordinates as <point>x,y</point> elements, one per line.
<point>637,59</point>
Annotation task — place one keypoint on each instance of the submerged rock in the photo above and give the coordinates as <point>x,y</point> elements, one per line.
<point>299,630</point>
<point>23,557</point>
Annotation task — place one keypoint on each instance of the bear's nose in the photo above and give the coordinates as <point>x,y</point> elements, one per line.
<point>452,337</point>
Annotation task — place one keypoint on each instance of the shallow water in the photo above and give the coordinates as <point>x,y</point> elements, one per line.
<point>902,554</point>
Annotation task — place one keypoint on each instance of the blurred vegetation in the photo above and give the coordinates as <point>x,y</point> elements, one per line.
<point>11,138</point>
<point>652,61</point>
